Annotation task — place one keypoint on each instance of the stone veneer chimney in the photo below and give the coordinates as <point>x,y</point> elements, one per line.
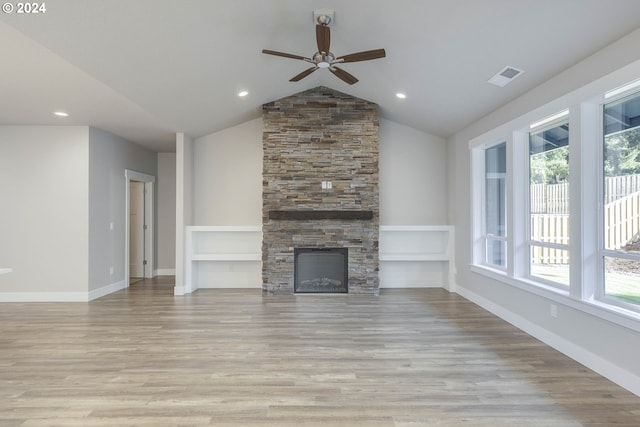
<point>315,136</point>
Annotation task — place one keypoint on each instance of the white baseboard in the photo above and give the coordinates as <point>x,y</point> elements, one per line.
<point>409,284</point>
<point>591,360</point>
<point>165,272</point>
<point>43,297</point>
<point>106,290</point>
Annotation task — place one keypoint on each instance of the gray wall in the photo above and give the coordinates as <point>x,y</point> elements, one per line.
<point>600,344</point>
<point>109,156</point>
<point>43,212</point>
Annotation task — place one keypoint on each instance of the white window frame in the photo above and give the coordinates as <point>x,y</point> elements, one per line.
<point>540,125</point>
<point>482,238</point>
<point>612,96</point>
<point>586,291</point>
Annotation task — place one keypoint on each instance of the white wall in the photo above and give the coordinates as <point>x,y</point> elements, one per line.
<point>109,156</point>
<point>166,223</point>
<point>228,176</point>
<point>184,205</point>
<point>228,189</point>
<point>603,346</point>
<point>44,221</point>
<point>413,176</point>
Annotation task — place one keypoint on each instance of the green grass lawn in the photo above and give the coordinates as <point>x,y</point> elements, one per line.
<point>622,286</point>
<point>625,287</point>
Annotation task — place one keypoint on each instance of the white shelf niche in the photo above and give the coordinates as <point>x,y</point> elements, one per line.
<point>223,257</point>
<point>414,256</point>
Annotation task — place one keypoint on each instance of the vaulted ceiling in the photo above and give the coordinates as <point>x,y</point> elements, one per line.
<point>145,69</point>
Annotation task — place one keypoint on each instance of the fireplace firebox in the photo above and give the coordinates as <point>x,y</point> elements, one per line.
<point>321,270</point>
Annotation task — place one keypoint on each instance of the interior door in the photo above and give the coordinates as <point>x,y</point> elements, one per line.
<point>136,229</point>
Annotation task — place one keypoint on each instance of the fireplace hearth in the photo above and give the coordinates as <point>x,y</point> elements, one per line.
<point>321,270</point>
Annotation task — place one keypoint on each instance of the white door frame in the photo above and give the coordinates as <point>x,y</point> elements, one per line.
<point>149,181</point>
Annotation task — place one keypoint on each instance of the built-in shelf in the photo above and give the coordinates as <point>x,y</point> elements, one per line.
<point>226,257</point>
<point>5,270</point>
<point>212,252</point>
<point>416,256</point>
<point>231,256</point>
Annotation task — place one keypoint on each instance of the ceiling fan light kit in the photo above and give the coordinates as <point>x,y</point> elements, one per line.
<point>324,58</point>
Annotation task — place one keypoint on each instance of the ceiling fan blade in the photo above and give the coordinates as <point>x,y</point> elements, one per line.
<point>362,56</point>
<point>323,37</point>
<point>303,74</point>
<point>343,75</point>
<point>286,55</point>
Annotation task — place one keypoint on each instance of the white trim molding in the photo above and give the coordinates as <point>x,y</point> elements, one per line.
<point>44,297</point>
<point>149,181</point>
<point>106,290</point>
<point>591,360</point>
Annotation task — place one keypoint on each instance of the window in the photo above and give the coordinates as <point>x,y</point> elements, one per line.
<point>556,203</point>
<point>549,202</point>
<point>495,206</point>
<point>621,204</point>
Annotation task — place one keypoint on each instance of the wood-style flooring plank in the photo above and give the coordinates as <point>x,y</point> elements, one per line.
<point>143,357</point>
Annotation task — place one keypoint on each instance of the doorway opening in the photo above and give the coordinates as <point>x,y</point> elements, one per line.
<point>139,253</point>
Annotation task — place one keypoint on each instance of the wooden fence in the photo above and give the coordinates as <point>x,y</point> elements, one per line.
<point>622,221</point>
<point>549,198</point>
<point>550,228</point>
<point>554,198</point>
<point>617,187</point>
<point>550,217</point>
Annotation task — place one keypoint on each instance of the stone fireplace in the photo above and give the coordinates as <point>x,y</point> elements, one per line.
<point>320,185</point>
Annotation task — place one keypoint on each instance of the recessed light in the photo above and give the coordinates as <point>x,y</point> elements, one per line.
<point>401,95</point>
<point>243,93</point>
<point>60,114</point>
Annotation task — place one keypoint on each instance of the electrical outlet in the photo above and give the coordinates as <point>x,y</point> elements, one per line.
<point>110,271</point>
<point>554,311</point>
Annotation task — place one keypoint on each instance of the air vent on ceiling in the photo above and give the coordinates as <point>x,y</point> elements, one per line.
<point>504,76</point>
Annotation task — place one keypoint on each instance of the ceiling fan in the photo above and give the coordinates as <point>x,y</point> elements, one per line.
<point>323,58</point>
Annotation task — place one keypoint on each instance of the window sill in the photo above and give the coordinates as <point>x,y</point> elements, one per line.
<point>611,313</point>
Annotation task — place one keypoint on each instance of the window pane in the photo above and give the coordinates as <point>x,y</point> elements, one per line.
<point>622,279</point>
<point>621,154</point>
<point>550,264</point>
<point>495,190</point>
<point>496,204</point>
<point>549,202</point>
<point>549,170</point>
<point>496,252</point>
<point>622,174</point>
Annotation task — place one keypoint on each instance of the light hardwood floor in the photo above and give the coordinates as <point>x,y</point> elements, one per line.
<point>142,357</point>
